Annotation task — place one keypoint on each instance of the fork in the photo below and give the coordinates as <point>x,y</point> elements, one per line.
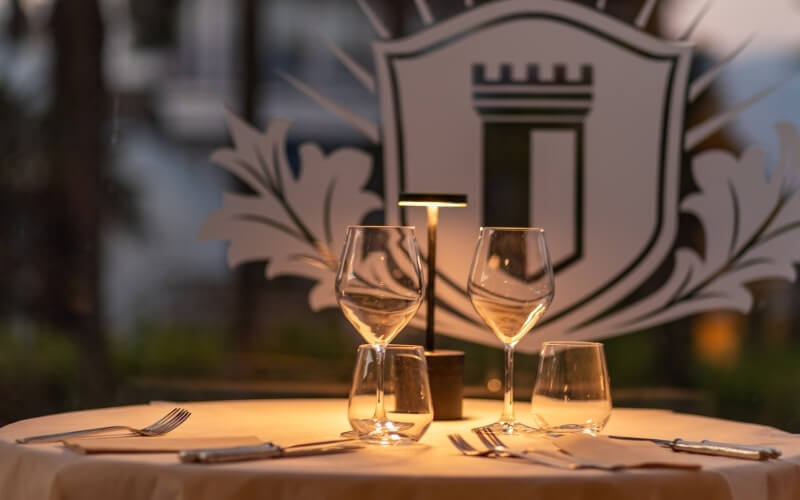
<point>495,444</point>
<point>161,426</point>
<point>467,449</point>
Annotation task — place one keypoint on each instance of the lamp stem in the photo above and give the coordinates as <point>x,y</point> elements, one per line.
<point>433,221</point>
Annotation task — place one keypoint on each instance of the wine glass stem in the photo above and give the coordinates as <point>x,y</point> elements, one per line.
<point>508,387</point>
<point>380,355</point>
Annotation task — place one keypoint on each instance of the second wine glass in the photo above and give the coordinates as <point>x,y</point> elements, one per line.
<point>379,287</point>
<point>511,285</point>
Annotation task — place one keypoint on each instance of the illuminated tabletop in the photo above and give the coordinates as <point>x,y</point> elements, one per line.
<point>432,469</point>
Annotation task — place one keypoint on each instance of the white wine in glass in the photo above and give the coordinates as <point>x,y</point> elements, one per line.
<point>379,286</point>
<point>378,319</point>
<point>511,285</point>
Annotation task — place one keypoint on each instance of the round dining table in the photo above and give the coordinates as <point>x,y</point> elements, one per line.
<point>431,469</point>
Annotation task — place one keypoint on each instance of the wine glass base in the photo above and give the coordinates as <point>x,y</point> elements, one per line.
<point>386,439</point>
<point>508,428</point>
<point>381,432</point>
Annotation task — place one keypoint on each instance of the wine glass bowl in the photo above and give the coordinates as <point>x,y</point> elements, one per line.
<point>509,319</point>
<point>379,284</point>
<point>378,318</point>
<point>379,287</point>
<point>510,285</point>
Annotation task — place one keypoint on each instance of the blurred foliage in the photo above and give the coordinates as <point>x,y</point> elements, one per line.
<point>38,372</point>
<point>320,351</point>
<point>169,351</point>
<point>760,387</point>
<point>631,359</point>
<point>39,368</point>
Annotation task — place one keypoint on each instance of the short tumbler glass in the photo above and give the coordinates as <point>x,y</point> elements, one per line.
<point>572,392</point>
<point>406,396</point>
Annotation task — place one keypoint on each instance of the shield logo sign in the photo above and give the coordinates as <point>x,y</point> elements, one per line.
<point>545,113</point>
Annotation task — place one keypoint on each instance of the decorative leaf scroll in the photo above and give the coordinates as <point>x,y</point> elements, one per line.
<point>750,216</point>
<point>296,223</point>
<point>751,220</point>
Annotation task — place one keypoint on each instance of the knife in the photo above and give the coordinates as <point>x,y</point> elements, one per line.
<point>257,452</point>
<point>706,447</point>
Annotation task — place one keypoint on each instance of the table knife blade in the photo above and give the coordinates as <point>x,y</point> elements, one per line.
<point>716,448</point>
<point>256,452</point>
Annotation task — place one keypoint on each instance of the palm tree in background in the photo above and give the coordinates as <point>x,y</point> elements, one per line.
<point>58,194</point>
<point>76,196</point>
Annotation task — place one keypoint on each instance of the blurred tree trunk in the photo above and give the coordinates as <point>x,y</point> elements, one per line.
<point>77,166</point>
<point>248,277</point>
<point>17,26</point>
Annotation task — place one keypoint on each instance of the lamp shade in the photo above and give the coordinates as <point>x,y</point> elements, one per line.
<point>432,200</point>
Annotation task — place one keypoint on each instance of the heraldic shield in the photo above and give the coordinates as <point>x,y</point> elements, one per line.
<point>545,113</point>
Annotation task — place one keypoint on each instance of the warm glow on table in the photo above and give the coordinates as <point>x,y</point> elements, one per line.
<point>432,469</point>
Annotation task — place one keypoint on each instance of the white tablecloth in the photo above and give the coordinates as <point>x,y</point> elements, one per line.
<point>432,469</point>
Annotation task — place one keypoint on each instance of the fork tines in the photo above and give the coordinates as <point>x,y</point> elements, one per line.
<point>168,422</point>
<point>489,438</point>
<point>459,442</point>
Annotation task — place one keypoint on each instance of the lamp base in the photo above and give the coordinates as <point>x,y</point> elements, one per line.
<point>446,377</point>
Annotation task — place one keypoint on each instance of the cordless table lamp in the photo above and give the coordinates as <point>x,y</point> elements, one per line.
<point>445,367</point>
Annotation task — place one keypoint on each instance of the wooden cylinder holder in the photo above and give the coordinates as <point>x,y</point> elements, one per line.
<point>446,377</point>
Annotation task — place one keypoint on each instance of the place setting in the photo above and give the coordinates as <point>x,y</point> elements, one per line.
<point>511,285</point>
<point>380,285</point>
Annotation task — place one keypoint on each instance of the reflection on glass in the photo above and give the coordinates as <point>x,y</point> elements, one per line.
<point>572,391</point>
<point>407,398</point>
<point>511,285</point>
<point>379,287</point>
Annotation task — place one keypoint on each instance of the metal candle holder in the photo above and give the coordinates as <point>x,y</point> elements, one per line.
<point>445,368</point>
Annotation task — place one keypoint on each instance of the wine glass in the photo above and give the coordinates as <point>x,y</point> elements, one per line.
<point>379,286</point>
<point>510,285</point>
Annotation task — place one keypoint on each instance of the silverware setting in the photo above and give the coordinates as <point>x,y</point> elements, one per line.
<point>496,448</point>
<point>163,425</point>
<point>492,440</point>
<point>343,439</point>
<point>467,449</point>
<point>266,450</point>
<point>493,449</point>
